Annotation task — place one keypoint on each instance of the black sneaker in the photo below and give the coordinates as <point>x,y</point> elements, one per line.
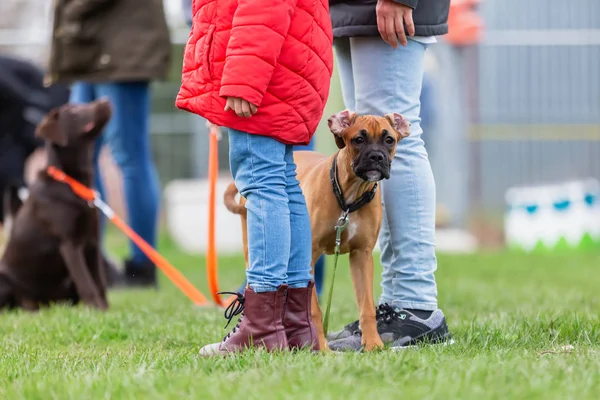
<point>114,277</point>
<point>351,328</point>
<point>400,329</point>
<point>140,275</point>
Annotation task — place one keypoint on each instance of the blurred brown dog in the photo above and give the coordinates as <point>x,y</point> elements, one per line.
<point>367,147</point>
<point>53,251</point>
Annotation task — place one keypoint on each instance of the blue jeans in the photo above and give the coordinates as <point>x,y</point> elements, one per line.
<point>279,233</point>
<point>377,79</point>
<point>128,137</point>
<point>319,269</point>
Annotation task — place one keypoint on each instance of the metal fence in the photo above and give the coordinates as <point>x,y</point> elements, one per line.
<point>536,110</point>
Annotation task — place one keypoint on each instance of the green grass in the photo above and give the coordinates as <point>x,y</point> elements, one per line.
<point>504,311</point>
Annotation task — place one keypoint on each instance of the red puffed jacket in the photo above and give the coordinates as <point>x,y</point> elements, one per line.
<point>276,54</point>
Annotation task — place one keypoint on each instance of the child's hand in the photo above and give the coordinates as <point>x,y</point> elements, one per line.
<point>241,107</point>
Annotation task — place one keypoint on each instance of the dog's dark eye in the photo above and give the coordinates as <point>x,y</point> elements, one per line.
<point>358,140</point>
<point>389,140</point>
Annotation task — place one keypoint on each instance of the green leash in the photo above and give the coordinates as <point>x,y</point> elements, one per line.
<point>339,228</point>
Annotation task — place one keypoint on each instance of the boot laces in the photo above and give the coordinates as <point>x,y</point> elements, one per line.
<point>235,308</point>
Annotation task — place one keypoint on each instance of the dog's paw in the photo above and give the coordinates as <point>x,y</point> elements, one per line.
<point>324,348</point>
<point>372,345</point>
<point>96,303</point>
<point>103,305</point>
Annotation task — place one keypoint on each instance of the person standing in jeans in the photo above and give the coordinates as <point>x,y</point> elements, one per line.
<point>114,49</point>
<point>319,268</point>
<point>380,47</point>
<point>250,67</point>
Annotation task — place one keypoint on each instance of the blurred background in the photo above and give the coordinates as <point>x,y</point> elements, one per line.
<point>511,114</point>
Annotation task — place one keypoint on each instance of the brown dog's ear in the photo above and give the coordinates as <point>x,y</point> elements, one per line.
<point>399,123</point>
<point>338,123</point>
<point>49,129</point>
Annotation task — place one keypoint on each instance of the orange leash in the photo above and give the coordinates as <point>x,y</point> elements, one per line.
<point>170,271</point>
<point>211,251</point>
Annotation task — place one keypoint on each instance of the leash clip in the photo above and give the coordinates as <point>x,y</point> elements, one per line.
<point>340,227</point>
<point>92,203</point>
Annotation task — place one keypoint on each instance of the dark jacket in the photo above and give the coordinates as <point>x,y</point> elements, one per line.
<point>352,18</point>
<point>109,40</point>
<point>24,101</point>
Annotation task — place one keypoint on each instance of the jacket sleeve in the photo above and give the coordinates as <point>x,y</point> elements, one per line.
<point>411,3</point>
<point>17,83</point>
<point>258,32</point>
<point>79,9</point>
<point>13,90</point>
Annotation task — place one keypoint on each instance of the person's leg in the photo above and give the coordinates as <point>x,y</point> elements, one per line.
<point>82,93</point>
<point>389,80</point>
<point>299,328</point>
<point>13,157</point>
<point>259,167</point>
<point>320,264</point>
<point>128,136</point>
<point>320,275</point>
<point>259,171</point>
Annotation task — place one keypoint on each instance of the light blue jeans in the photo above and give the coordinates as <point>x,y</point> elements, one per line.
<point>319,267</point>
<point>128,137</point>
<point>377,79</point>
<point>279,233</point>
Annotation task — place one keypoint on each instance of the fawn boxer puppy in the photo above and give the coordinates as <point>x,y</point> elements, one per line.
<point>346,183</point>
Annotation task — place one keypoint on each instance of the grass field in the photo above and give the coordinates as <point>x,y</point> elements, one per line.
<point>511,316</point>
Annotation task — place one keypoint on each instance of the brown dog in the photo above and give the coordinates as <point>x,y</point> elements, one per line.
<point>367,147</point>
<point>53,252</point>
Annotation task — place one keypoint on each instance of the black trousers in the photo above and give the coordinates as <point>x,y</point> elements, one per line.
<point>13,156</point>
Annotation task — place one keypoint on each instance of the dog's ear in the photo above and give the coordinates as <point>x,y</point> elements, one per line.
<point>400,124</point>
<point>338,123</point>
<point>50,130</point>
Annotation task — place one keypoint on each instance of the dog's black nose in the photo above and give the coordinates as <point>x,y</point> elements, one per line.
<point>377,156</point>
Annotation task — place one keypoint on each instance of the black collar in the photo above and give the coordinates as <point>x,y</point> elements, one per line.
<point>339,195</point>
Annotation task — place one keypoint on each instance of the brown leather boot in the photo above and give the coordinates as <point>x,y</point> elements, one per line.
<point>260,326</point>
<point>297,319</point>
